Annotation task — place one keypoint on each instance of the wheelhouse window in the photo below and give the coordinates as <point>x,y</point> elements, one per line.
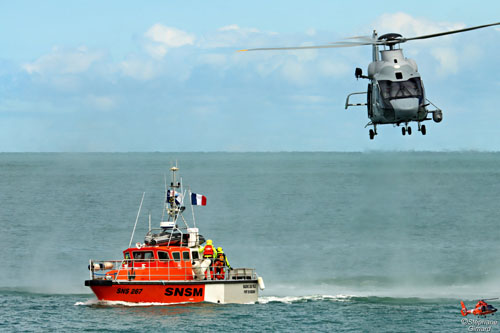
<point>401,89</point>
<point>177,256</point>
<point>162,255</point>
<point>195,255</point>
<point>143,255</point>
<point>185,256</point>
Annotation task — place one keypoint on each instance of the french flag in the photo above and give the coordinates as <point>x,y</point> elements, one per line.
<point>198,199</point>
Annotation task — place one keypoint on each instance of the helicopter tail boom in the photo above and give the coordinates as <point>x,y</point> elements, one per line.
<point>464,309</point>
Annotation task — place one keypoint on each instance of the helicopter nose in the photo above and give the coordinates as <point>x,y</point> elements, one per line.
<point>405,108</point>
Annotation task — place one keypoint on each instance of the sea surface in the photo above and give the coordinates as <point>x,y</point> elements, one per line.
<point>361,242</point>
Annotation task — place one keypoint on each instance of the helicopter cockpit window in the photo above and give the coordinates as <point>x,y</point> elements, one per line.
<point>401,89</point>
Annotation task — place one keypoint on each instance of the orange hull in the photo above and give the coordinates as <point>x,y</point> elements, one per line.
<point>149,293</point>
<point>171,292</point>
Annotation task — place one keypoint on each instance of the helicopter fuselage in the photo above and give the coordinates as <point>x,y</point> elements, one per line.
<point>396,93</point>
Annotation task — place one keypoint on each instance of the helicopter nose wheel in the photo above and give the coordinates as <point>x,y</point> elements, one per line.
<point>403,130</point>
<point>373,132</point>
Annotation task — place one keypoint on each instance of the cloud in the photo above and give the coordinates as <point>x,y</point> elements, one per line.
<point>232,36</point>
<point>448,60</point>
<point>296,72</point>
<point>103,103</point>
<point>235,27</point>
<point>231,27</point>
<point>164,37</point>
<point>213,59</point>
<point>330,68</point>
<point>63,61</point>
<point>171,37</point>
<point>409,26</point>
<point>139,69</point>
<point>311,32</point>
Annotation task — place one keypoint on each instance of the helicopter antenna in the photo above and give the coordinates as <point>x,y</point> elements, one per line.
<point>136,219</point>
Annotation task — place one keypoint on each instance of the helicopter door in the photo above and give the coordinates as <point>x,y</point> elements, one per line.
<point>369,100</point>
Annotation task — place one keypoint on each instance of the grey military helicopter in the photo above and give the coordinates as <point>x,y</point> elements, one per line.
<point>395,94</point>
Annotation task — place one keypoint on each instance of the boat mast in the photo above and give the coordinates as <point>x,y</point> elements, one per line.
<point>192,209</point>
<point>165,203</point>
<point>173,210</point>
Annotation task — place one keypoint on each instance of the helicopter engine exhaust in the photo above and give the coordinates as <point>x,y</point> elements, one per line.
<point>437,116</point>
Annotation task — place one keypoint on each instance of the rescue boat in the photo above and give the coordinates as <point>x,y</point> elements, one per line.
<point>168,266</point>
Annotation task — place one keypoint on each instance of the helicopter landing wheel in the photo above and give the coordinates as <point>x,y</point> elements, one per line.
<point>403,130</point>
<point>423,130</point>
<point>372,134</point>
<point>409,130</point>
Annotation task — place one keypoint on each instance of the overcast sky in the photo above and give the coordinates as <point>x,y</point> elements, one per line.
<point>164,75</point>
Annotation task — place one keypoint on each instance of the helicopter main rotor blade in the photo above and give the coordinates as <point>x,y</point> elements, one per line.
<point>450,32</point>
<point>368,39</point>
<point>333,45</point>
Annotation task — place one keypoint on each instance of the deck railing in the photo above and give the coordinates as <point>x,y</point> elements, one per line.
<point>163,270</point>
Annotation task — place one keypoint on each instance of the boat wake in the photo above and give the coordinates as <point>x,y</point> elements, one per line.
<point>302,299</point>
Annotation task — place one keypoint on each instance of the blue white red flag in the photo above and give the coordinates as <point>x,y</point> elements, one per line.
<point>171,194</point>
<point>198,199</point>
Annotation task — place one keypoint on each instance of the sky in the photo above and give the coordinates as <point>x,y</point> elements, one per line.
<point>123,76</point>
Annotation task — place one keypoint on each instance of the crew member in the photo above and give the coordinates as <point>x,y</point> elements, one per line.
<point>222,256</point>
<point>209,252</point>
<point>219,264</point>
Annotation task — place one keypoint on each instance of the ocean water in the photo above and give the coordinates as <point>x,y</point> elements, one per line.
<point>386,242</point>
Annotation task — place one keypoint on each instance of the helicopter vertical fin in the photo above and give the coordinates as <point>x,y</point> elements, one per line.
<point>464,309</point>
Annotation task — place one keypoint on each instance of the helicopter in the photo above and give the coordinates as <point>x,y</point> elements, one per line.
<point>395,94</point>
<point>482,308</point>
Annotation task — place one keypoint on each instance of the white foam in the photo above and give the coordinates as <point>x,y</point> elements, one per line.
<point>292,299</point>
<point>88,302</point>
<point>92,302</point>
